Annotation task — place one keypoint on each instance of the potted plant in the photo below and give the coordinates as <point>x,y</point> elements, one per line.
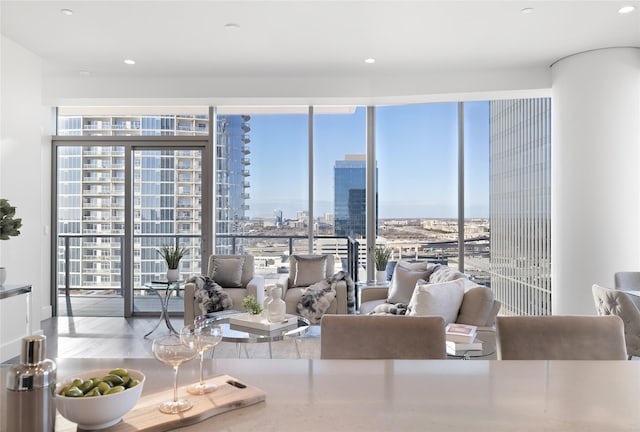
<point>381,255</point>
<point>251,305</point>
<point>9,227</point>
<point>172,255</point>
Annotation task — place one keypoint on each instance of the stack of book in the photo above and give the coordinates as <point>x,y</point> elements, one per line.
<point>462,338</point>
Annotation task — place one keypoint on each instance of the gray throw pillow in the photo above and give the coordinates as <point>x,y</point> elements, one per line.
<point>310,270</point>
<point>227,271</point>
<point>402,284</point>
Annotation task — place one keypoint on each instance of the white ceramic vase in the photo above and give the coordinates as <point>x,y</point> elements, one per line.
<point>277,306</point>
<point>381,276</point>
<point>3,275</point>
<point>267,301</point>
<point>173,275</point>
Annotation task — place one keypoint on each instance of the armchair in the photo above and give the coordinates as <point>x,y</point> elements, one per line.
<point>305,270</point>
<point>237,279</point>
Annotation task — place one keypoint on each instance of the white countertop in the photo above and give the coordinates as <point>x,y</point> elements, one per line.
<point>408,395</point>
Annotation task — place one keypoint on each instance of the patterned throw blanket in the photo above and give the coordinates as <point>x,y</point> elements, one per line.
<point>390,309</point>
<point>317,298</point>
<point>209,295</point>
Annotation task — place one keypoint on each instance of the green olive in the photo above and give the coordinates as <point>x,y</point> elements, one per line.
<point>76,382</point>
<point>113,380</point>
<point>103,387</point>
<point>120,372</point>
<point>86,386</point>
<point>93,392</point>
<point>73,391</point>
<point>132,383</point>
<point>64,390</point>
<point>116,389</point>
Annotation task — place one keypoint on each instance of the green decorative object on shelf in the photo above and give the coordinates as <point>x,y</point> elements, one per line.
<point>251,305</point>
<point>9,225</point>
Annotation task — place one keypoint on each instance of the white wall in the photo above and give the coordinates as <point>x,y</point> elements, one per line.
<point>25,173</point>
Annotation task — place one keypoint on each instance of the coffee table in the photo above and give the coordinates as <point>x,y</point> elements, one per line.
<point>247,335</point>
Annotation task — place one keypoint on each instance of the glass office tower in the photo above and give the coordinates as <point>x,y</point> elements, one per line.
<point>521,205</point>
<point>350,196</point>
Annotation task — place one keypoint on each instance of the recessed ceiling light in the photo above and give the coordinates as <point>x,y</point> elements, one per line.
<point>232,26</point>
<point>130,62</point>
<point>67,12</point>
<point>527,10</point>
<point>370,60</point>
<point>626,9</point>
<point>85,73</point>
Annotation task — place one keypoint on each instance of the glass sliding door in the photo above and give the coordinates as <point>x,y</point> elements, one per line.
<point>167,198</point>
<point>117,201</point>
<point>90,226</point>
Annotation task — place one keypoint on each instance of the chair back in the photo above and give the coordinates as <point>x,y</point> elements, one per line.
<point>559,337</point>
<point>615,302</point>
<point>382,337</point>
<point>247,266</point>
<point>628,280</point>
<point>293,266</point>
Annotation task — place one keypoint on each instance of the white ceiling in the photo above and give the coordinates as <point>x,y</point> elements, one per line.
<point>302,39</point>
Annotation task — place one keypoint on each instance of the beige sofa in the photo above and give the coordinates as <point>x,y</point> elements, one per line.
<point>478,306</point>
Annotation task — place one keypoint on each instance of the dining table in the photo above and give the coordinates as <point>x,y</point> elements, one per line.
<point>402,395</point>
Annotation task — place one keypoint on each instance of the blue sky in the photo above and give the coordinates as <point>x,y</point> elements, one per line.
<point>416,148</point>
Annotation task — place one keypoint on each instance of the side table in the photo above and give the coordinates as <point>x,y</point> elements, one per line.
<point>163,290</point>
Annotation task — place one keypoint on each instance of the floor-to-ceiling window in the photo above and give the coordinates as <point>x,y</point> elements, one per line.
<point>261,184</point>
<point>417,158</point>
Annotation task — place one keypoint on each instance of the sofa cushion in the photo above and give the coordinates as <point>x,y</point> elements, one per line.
<point>247,267</point>
<point>309,269</point>
<point>227,271</point>
<point>477,306</point>
<point>443,299</point>
<point>403,283</point>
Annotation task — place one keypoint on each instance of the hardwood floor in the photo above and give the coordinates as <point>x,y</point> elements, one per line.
<point>117,337</point>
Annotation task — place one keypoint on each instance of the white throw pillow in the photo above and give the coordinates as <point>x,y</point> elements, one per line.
<point>403,283</point>
<point>443,299</point>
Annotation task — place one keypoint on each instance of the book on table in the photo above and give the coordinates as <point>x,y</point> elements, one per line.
<point>461,332</point>
<point>459,348</point>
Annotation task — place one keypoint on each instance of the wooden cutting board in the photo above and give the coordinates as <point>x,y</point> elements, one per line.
<point>146,417</point>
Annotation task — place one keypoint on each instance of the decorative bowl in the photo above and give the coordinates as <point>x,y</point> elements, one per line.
<point>98,412</point>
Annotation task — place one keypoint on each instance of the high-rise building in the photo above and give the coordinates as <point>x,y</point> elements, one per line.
<point>520,215</point>
<point>350,196</point>
<point>231,179</point>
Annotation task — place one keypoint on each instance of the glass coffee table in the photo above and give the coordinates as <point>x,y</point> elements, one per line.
<point>246,335</point>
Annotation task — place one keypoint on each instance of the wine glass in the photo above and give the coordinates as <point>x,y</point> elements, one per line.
<point>171,351</point>
<point>202,336</point>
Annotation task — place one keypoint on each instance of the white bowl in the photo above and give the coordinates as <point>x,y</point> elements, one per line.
<point>98,412</point>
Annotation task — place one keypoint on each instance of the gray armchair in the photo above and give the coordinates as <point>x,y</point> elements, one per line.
<point>615,302</point>
<point>303,273</point>
<point>238,283</point>
<point>627,280</point>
